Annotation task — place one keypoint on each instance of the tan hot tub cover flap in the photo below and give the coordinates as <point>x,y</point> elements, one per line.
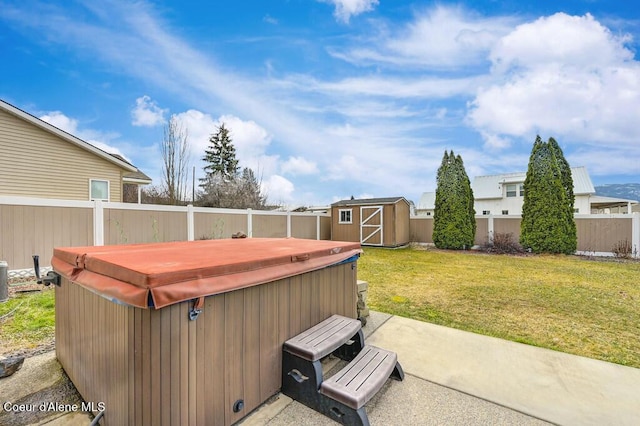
<point>162,274</point>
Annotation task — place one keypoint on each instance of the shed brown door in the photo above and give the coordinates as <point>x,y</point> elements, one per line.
<point>371,225</point>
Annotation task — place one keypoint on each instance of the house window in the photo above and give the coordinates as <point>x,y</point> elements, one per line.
<point>505,212</point>
<point>513,190</point>
<point>99,190</point>
<point>344,216</point>
<point>576,210</point>
<point>486,212</point>
<point>428,213</point>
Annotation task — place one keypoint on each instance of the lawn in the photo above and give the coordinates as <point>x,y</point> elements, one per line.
<point>566,303</point>
<point>27,321</point>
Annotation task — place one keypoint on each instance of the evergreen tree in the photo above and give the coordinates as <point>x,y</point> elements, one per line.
<point>223,185</point>
<point>547,214</point>
<point>220,156</point>
<point>454,216</point>
<point>567,184</point>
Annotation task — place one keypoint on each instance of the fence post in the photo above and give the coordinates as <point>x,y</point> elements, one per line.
<point>288,223</point>
<point>98,223</point>
<point>190,223</point>
<point>635,234</point>
<point>317,226</point>
<point>249,224</point>
<point>490,227</point>
<point>4,281</point>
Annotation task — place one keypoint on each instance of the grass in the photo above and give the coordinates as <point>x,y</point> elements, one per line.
<point>27,320</point>
<point>566,303</point>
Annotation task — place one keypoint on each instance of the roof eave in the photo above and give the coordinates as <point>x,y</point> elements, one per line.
<point>64,135</point>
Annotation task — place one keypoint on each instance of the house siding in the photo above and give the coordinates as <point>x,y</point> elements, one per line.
<point>35,163</point>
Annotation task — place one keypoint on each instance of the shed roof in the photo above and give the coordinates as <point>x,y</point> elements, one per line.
<point>115,159</point>
<point>490,186</point>
<point>369,201</point>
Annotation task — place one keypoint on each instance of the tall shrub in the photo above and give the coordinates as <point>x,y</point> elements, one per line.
<point>547,215</point>
<point>567,185</point>
<point>454,224</point>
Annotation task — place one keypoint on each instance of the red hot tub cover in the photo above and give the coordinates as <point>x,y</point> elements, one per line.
<point>169,273</point>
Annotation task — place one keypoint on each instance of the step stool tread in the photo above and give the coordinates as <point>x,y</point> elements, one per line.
<point>362,378</point>
<point>323,338</point>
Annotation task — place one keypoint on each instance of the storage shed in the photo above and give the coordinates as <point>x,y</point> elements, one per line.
<point>192,332</point>
<point>373,221</point>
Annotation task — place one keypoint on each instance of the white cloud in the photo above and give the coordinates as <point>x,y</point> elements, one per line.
<point>578,41</point>
<point>147,113</point>
<point>345,9</point>
<point>269,19</point>
<point>249,138</point>
<point>70,125</point>
<point>563,76</point>
<point>278,189</point>
<point>299,166</point>
<point>440,37</point>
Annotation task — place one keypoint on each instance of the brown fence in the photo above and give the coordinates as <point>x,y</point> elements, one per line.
<point>597,234</point>
<point>31,226</point>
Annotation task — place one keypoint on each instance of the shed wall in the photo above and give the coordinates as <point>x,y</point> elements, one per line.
<point>395,218</point>
<point>403,234</point>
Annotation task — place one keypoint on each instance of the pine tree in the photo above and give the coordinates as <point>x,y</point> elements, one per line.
<point>223,185</point>
<point>547,213</point>
<point>454,216</point>
<point>220,156</point>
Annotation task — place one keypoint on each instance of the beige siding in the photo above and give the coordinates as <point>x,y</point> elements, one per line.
<point>153,367</point>
<point>402,223</point>
<point>35,163</point>
<point>395,224</point>
<point>345,232</point>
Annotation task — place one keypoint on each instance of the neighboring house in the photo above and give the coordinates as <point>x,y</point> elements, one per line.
<point>39,160</point>
<point>427,204</point>
<point>504,195</point>
<point>371,221</point>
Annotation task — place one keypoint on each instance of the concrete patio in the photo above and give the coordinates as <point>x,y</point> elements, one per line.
<point>452,377</point>
<point>458,378</point>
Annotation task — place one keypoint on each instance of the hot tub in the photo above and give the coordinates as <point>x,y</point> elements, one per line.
<point>191,333</point>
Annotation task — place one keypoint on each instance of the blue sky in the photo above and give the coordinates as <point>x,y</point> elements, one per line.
<point>331,98</point>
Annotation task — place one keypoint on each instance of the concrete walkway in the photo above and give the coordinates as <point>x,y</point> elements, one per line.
<point>452,377</point>
<point>459,378</point>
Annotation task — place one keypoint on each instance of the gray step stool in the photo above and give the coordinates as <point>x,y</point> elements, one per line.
<point>341,397</point>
